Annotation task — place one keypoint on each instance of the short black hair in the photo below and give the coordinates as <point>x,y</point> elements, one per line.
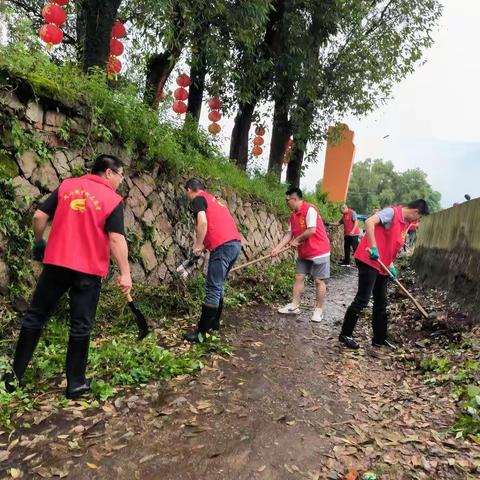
<point>294,191</point>
<point>421,205</point>
<point>103,162</point>
<point>194,184</point>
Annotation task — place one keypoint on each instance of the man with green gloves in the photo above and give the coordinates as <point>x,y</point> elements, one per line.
<point>385,235</point>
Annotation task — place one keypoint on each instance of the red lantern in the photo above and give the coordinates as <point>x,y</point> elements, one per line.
<point>214,116</point>
<point>260,131</point>
<point>214,128</point>
<point>51,34</point>
<point>258,141</point>
<point>180,94</point>
<point>114,65</point>
<point>53,13</point>
<point>183,80</point>
<point>116,47</point>
<point>257,150</point>
<point>62,3</point>
<point>214,103</point>
<point>118,30</point>
<point>179,107</point>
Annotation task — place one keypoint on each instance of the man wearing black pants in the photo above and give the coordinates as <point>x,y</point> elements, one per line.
<point>87,224</point>
<point>386,232</point>
<point>351,232</point>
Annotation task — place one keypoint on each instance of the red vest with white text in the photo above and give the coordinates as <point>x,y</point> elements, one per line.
<point>389,241</point>
<point>221,227</point>
<point>348,224</point>
<point>77,239</point>
<point>316,245</point>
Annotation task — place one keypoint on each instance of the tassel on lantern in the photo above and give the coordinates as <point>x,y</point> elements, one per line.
<point>288,152</point>
<point>214,115</point>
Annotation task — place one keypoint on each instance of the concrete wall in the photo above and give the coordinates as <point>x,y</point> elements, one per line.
<point>448,252</point>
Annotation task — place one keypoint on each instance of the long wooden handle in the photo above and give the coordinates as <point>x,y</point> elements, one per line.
<point>129,298</point>
<point>404,290</point>
<point>257,260</point>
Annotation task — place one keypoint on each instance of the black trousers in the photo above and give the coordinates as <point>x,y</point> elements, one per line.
<point>84,292</point>
<point>370,282</point>
<point>349,242</point>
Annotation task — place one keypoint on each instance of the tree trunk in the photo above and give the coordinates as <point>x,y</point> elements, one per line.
<point>99,18</point>
<point>159,68</point>
<point>195,94</point>
<point>239,141</point>
<point>80,27</point>
<point>294,169</point>
<point>281,131</point>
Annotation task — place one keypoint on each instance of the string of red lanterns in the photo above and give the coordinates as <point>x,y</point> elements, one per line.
<point>114,64</point>
<point>181,94</point>
<point>258,141</point>
<point>54,15</point>
<point>214,115</point>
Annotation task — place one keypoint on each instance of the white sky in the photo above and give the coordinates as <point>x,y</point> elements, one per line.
<point>432,119</point>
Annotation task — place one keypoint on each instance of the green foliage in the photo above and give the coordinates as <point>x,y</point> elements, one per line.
<point>14,227</point>
<point>435,364</point>
<point>468,421</point>
<point>375,184</point>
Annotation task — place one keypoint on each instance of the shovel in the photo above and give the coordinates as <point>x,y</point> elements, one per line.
<point>253,262</point>
<point>142,325</point>
<point>407,293</point>
<point>186,268</point>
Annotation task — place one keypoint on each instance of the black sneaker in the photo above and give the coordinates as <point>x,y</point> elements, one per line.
<point>349,342</point>
<point>386,344</point>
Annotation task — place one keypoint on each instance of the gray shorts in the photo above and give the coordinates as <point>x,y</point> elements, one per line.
<point>319,268</point>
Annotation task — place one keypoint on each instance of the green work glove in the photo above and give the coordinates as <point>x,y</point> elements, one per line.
<point>39,250</point>
<point>393,273</point>
<point>373,253</point>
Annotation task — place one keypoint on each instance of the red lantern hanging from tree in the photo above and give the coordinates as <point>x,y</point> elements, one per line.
<point>183,80</point>
<point>53,13</point>
<point>179,107</point>
<point>116,47</point>
<point>257,150</point>
<point>62,3</point>
<point>214,103</point>
<point>214,116</point>
<point>288,151</point>
<point>180,94</point>
<point>51,34</point>
<point>114,65</point>
<point>118,30</point>
<point>214,128</point>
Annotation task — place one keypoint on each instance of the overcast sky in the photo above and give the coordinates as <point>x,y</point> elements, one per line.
<point>432,119</point>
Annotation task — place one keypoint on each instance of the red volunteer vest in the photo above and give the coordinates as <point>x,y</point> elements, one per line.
<point>77,239</point>
<point>221,227</point>
<point>318,244</point>
<point>389,242</point>
<point>348,224</point>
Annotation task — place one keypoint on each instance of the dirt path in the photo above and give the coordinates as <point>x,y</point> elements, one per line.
<point>290,404</point>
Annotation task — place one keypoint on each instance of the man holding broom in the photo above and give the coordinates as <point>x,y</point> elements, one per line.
<point>217,232</point>
<point>386,231</point>
<point>307,235</point>
<point>87,225</point>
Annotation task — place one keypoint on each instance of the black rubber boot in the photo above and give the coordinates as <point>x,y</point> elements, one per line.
<point>77,357</point>
<point>205,324</point>
<point>26,344</point>
<point>216,322</point>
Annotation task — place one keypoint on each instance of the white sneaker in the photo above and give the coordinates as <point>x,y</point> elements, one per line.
<point>317,315</point>
<point>290,308</point>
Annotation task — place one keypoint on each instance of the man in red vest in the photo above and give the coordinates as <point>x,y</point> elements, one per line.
<point>87,225</point>
<point>307,234</point>
<point>385,235</point>
<point>351,232</point>
<point>217,232</point>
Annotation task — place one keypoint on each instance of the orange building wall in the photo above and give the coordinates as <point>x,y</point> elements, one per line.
<point>338,167</point>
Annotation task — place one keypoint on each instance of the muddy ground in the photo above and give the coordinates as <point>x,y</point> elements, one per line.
<point>291,403</point>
